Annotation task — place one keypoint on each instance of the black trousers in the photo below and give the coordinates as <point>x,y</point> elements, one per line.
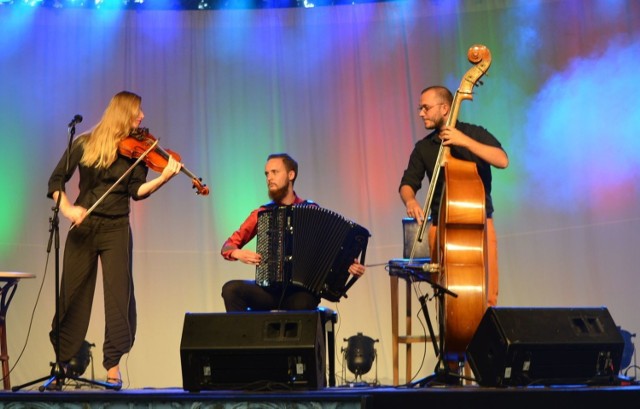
<point>243,295</point>
<point>109,241</point>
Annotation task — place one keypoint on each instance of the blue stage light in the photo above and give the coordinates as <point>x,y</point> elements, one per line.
<point>183,4</point>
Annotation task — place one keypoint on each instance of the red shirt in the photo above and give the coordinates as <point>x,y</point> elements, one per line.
<point>247,231</point>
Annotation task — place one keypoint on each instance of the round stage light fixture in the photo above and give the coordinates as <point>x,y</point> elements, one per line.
<point>359,356</point>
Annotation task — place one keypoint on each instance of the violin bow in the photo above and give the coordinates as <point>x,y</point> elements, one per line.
<point>117,182</point>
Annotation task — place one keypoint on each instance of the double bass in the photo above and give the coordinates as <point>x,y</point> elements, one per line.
<point>460,252</point>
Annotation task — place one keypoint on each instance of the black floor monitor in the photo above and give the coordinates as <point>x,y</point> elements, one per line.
<point>253,350</point>
<point>545,346</point>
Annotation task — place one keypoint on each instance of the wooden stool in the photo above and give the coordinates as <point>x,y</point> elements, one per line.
<point>396,271</point>
<point>9,282</point>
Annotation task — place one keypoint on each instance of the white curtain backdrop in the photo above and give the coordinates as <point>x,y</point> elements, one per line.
<point>336,87</point>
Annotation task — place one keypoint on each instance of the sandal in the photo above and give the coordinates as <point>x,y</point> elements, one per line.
<point>116,381</point>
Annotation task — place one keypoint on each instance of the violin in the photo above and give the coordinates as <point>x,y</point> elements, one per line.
<point>140,140</point>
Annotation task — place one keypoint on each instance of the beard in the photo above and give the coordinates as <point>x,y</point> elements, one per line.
<point>437,123</point>
<point>278,194</point>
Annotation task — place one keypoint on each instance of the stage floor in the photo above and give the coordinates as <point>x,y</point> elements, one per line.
<point>381,397</point>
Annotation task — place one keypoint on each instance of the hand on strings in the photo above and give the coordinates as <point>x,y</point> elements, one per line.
<point>247,256</point>
<point>356,268</point>
<point>452,136</point>
<point>173,168</point>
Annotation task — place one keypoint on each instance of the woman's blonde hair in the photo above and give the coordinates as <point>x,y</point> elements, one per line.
<point>101,143</point>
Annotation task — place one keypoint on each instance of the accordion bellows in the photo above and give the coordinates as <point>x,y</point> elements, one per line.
<point>308,246</point>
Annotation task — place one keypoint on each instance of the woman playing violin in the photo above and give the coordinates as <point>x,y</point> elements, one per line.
<point>103,234</point>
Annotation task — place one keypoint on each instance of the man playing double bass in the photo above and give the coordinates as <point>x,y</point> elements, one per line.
<point>467,142</point>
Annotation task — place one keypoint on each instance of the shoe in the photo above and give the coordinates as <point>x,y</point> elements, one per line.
<point>115,379</point>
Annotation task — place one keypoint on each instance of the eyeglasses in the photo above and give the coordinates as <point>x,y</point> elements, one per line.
<point>426,108</point>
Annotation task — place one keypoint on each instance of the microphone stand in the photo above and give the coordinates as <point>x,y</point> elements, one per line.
<point>56,379</point>
<point>442,374</point>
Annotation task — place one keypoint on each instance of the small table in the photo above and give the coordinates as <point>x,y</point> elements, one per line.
<point>8,283</point>
<point>397,270</point>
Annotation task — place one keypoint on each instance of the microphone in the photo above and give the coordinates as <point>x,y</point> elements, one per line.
<point>418,269</point>
<point>427,267</point>
<point>76,120</point>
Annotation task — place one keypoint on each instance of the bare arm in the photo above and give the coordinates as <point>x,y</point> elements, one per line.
<point>492,155</point>
<point>173,168</point>
<point>414,209</point>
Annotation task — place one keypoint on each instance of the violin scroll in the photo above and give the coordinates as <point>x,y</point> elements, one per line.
<point>201,188</point>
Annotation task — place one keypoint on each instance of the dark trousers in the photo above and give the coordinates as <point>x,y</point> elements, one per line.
<point>110,241</point>
<point>243,295</point>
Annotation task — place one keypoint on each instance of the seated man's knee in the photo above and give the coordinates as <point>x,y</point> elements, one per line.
<point>230,288</point>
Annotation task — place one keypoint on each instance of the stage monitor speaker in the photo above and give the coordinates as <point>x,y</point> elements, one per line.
<point>251,350</point>
<point>545,346</point>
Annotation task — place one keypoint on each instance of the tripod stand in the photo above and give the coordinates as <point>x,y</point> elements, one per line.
<point>59,371</point>
<point>442,375</point>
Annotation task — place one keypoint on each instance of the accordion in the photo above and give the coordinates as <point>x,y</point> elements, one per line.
<point>308,246</point>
